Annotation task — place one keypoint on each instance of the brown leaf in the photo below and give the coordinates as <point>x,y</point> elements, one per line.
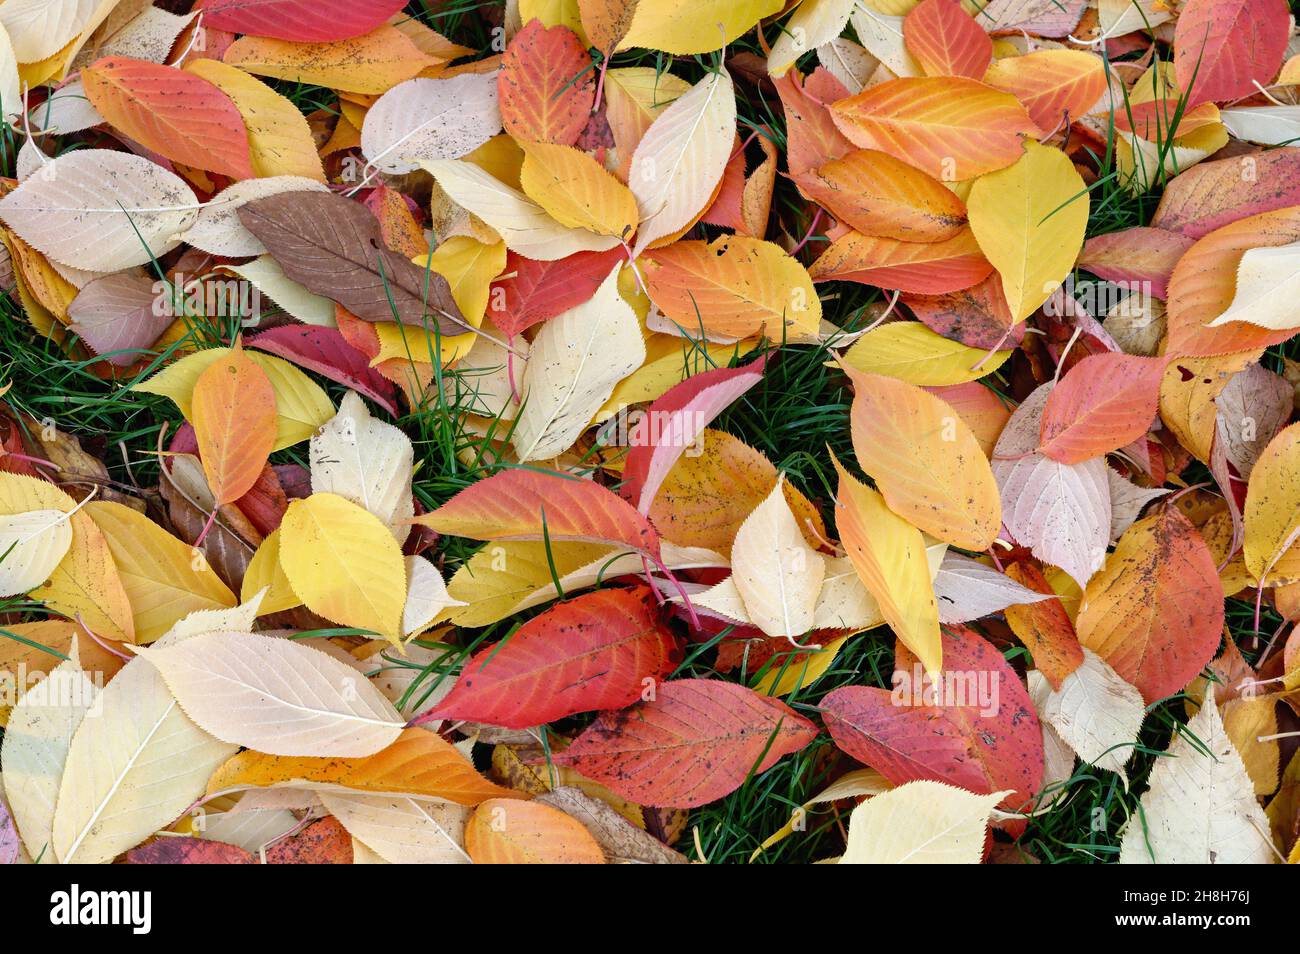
<point>333,247</point>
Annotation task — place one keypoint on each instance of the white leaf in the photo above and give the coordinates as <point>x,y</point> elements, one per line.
<point>426,596</point>
<point>404,831</point>
<point>576,360</point>
<point>967,589</point>
<point>1126,16</point>
<point>276,695</point>
<point>1062,512</point>
<point>882,35</point>
<point>366,461</point>
<point>1200,807</point>
<point>131,770</point>
<point>814,22</point>
<point>66,111</point>
<point>269,278</point>
<point>100,210</point>
<point>41,28</point>
<point>1095,712</point>
<point>523,225</point>
<point>920,823</point>
<point>32,545</point>
<point>848,62</point>
<point>1126,501</point>
<point>1265,125</point>
<point>148,36</point>
<point>1268,281</point>
<point>430,119</point>
<point>35,748</point>
<point>11,92</point>
<point>777,574</point>
<point>218,229</point>
<point>681,158</point>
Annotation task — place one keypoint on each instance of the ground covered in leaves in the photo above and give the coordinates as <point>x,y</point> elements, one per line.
<point>649,431</point>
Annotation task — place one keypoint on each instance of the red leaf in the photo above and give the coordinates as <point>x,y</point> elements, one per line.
<point>1213,194</point>
<point>325,351</point>
<point>1104,402</point>
<point>674,422</point>
<point>964,745</point>
<point>172,112</point>
<point>1136,255</point>
<point>547,86</point>
<point>1227,46</point>
<point>305,21</point>
<point>697,741</point>
<point>537,290</point>
<point>593,652</point>
<point>188,851</point>
<point>517,504</point>
<point>978,316</point>
<point>812,136</point>
<point>946,40</point>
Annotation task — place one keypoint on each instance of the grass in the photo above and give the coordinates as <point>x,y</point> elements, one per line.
<point>797,413</point>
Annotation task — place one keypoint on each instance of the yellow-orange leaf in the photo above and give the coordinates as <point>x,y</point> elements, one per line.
<point>233,413</point>
<point>733,287</point>
<point>888,554</point>
<point>511,832</point>
<point>418,763</point>
<point>949,126</point>
<point>924,460</point>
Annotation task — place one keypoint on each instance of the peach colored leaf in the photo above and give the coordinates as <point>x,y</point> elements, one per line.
<point>175,113</point>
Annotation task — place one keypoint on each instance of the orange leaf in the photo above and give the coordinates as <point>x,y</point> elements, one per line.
<point>546,86</point>
<point>876,194</point>
<point>234,418</point>
<point>920,268</point>
<point>1104,402</point>
<point>1044,627</point>
<point>418,763</point>
<point>1052,84</point>
<point>1155,610</point>
<point>532,505</point>
<point>946,40</point>
<point>172,112</point>
<point>1205,279</point>
<point>949,126</point>
<point>508,832</point>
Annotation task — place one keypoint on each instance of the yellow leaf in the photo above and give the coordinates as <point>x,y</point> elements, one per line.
<point>164,579</point>
<point>343,562</point>
<point>301,406</point>
<point>1029,221</point>
<point>781,680</point>
<point>1272,510</point>
<point>554,13</point>
<point>911,352</point>
<point>279,140</point>
<point>577,191</point>
<point>469,267</point>
<point>890,557</point>
<point>693,26</point>
<point>264,572</point>
<point>920,823</point>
